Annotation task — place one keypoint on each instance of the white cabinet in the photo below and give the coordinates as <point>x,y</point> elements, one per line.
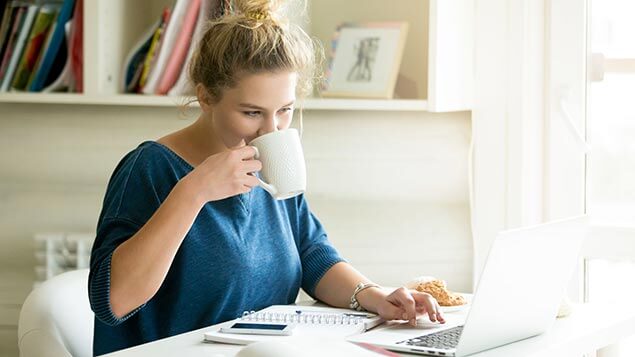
<point>435,73</point>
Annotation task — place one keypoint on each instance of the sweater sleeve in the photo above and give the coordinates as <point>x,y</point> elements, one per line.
<point>116,231</point>
<point>317,254</point>
<point>136,189</point>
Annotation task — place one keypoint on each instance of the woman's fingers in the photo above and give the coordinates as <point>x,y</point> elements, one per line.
<point>403,298</point>
<point>409,304</point>
<point>246,152</point>
<point>428,303</point>
<point>392,312</point>
<point>250,181</point>
<point>251,166</point>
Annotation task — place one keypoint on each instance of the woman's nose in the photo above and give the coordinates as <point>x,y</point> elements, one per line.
<point>269,125</point>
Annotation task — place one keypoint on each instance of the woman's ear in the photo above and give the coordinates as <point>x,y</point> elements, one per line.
<point>204,98</point>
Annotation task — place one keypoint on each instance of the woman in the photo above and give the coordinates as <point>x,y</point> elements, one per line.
<point>186,237</point>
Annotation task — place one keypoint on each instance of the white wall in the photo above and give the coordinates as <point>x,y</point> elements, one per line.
<point>391,188</point>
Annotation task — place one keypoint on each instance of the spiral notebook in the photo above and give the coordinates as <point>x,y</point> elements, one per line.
<point>308,321</point>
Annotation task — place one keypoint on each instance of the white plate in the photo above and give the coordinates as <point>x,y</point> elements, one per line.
<point>447,309</point>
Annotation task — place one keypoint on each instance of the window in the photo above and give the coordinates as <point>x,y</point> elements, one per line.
<point>610,176</point>
<point>611,119</point>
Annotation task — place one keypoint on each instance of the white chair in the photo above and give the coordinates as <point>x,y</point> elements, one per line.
<point>56,319</point>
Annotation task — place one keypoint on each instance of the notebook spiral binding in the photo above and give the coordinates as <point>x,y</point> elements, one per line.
<point>303,317</point>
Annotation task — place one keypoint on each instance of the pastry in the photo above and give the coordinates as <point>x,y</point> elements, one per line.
<point>438,290</point>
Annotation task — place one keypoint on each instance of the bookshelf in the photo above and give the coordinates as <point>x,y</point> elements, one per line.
<point>435,72</point>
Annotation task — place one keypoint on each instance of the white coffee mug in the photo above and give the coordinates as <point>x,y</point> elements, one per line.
<point>283,168</point>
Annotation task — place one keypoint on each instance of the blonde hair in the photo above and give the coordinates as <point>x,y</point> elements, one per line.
<point>255,38</point>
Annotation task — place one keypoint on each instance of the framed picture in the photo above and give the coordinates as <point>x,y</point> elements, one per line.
<point>365,60</point>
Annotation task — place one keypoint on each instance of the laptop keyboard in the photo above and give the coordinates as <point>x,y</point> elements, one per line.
<point>445,339</point>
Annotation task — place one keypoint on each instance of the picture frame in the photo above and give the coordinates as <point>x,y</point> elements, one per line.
<point>365,60</point>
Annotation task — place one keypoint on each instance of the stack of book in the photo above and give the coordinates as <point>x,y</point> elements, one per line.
<point>41,46</point>
<point>156,64</point>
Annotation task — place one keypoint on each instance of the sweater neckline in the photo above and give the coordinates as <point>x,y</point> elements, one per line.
<point>243,198</point>
<point>172,153</point>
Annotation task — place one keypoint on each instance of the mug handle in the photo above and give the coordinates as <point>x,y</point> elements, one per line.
<point>268,187</point>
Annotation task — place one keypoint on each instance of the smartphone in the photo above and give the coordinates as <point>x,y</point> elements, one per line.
<point>259,329</point>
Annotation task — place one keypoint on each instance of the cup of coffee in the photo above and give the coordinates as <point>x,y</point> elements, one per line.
<point>283,168</point>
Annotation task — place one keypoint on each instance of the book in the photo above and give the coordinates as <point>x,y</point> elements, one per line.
<point>12,36</point>
<point>45,47</point>
<point>318,321</point>
<point>52,48</point>
<point>166,46</point>
<point>4,6</point>
<point>153,50</point>
<point>25,29</point>
<point>210,9</point>
<point>8,16</point>
<point>134,62</point>
<point>181,47</point>
<point>76,49</point>
<point>60,76</point>
<point>33,46</point>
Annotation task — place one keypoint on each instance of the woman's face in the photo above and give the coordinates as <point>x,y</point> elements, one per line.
<point>258,104</point>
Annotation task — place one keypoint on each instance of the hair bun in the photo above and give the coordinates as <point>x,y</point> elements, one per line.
<point>258,9</point>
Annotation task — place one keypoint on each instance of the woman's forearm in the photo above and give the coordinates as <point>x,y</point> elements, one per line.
<point>140,264</point>
<point>338,284</point>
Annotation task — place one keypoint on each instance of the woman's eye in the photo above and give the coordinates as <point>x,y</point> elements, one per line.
<point>285,110</point>
<point>251,114</point>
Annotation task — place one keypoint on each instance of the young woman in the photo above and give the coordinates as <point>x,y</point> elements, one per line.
<point>186,237</point>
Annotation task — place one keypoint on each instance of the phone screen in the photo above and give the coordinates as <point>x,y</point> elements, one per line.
<point>241,325</point>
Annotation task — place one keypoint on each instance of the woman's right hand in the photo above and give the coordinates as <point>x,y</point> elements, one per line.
<point>225,174</point>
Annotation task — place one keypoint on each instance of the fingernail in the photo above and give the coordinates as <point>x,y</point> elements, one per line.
<point>404,316</point>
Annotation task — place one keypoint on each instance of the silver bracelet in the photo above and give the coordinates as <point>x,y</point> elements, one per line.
<point>360,287</point>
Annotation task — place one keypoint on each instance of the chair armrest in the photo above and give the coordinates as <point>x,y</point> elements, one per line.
<point>38,343</point>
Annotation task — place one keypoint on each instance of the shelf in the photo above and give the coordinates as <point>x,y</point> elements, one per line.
<point>74,98</point>
<point>164,101</point>
<point>415,105</point>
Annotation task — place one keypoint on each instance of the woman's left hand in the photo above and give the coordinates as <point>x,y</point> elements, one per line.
<point>405,304</point>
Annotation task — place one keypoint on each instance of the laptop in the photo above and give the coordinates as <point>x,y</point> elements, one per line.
<point>518,295</point>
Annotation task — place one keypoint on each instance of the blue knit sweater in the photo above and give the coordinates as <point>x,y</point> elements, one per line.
<point>244,252</point>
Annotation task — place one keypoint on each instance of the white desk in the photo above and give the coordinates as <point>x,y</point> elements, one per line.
<point>590,327</point>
